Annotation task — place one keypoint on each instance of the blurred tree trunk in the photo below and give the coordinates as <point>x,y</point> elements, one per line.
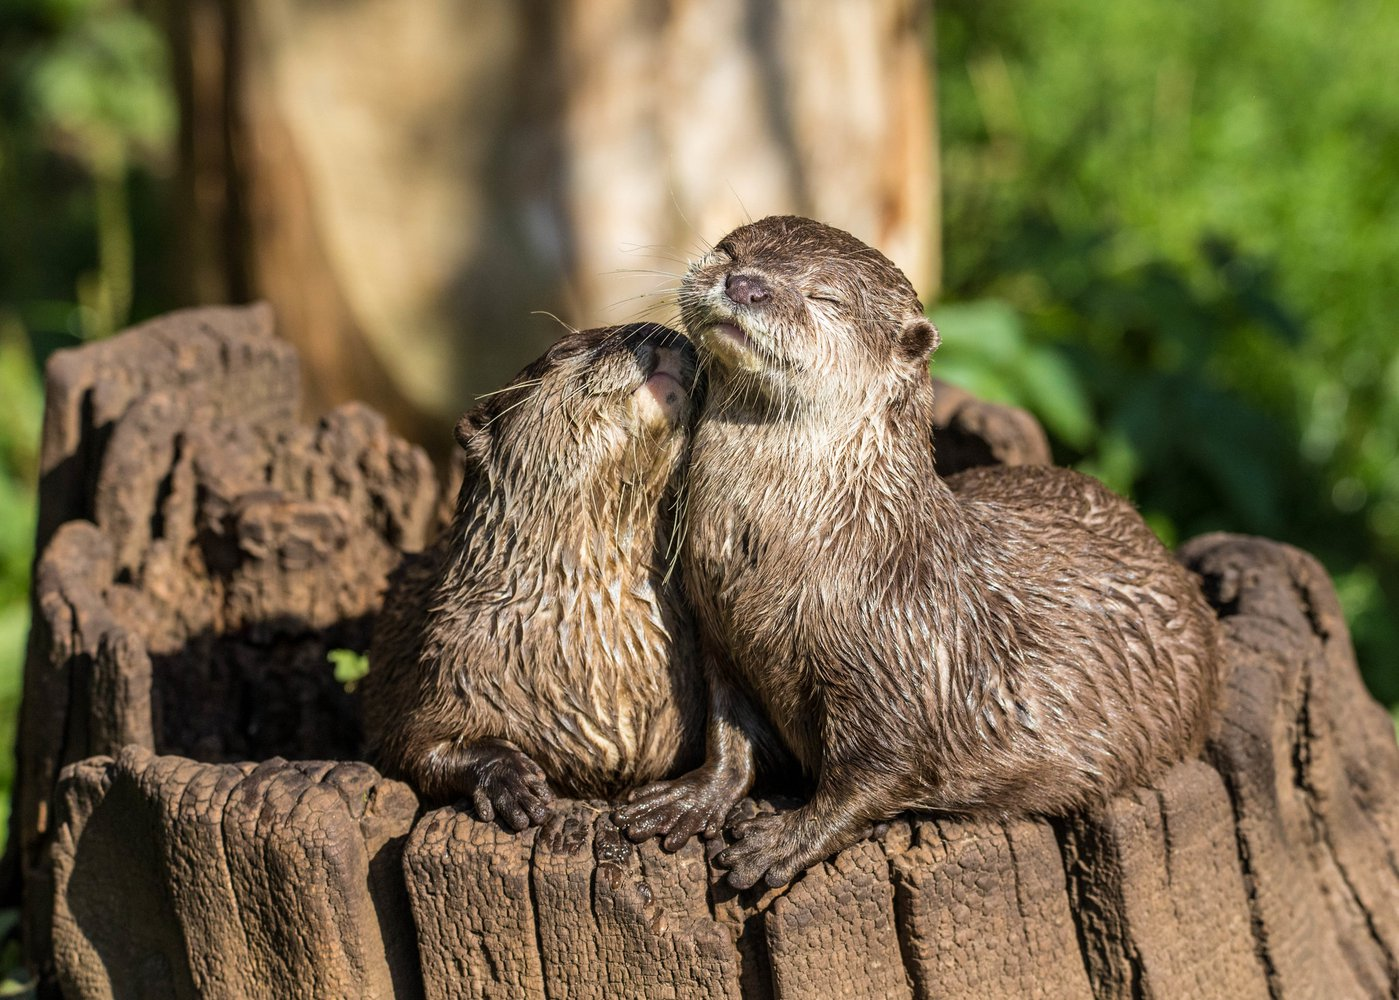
<point>409,181</point>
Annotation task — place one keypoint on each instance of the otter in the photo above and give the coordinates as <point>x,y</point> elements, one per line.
<point>540,645</point>
<point>1008,641</point>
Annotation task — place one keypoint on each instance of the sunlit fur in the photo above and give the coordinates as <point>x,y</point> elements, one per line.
<point>1012,640</point>
<point>542,616</point>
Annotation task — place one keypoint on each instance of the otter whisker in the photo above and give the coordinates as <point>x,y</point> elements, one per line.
<point>668,254</point>
<point>650,271</point>
<point>658,305</point>
<point>742,207</point>
<point>628,484</point>
<point>680,212</point>
<point>528,383</point>
<point>662,288</point>
<point>571,395</point>
<point>513,406</point>
<point>657,316</point>
<point>679,507</point>
<point>546,312</point>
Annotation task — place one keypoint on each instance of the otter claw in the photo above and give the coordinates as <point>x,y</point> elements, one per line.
<point>767,849</point>
<point>677,810</point>
<point>656,792</point>
<point>512,787</point>
<point>485,812</point>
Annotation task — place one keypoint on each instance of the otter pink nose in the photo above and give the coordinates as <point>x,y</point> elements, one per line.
<point>747,290</point>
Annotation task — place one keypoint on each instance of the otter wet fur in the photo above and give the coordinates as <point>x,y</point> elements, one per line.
<point>1008,641</point>
<point>539,646</point>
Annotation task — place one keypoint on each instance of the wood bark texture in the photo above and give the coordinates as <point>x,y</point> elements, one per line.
<point>192,820</point>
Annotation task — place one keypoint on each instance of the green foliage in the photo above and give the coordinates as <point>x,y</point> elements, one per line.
<point>350,667</point>
<point>98,92</point>
<point>96,84</point>
<point>86,113</point>
<point>1193,208</point>
<point>20,412</point>
<point>21,406</point>
<point>16,981</point>
<point>995,358</point>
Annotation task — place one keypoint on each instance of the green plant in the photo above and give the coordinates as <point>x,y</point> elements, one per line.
<point>86,111</point>
<point>86,83</point>
<point>994,357</point>
<point>350,667</point>
<point>20,410</point>
<point>1191,207</point>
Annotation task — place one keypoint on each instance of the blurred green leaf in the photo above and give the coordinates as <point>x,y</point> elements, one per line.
<point>14,632</point>
<point>350,667</point>
<point>990,331</point>
<point>21,397</point>
<point>1052,390</point>
<point>1218,271</point>
<point>103,87</point>
<point>985,350</point>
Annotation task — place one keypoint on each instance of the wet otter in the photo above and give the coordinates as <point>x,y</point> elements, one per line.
<point>1008,641</point>
<point>538,641</point>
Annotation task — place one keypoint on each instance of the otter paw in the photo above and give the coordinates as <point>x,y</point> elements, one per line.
<point>767,848</point>
<point>512,787</point>
<point>678,810</point>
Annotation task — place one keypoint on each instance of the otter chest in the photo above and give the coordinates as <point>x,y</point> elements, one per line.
<point>741,582</point>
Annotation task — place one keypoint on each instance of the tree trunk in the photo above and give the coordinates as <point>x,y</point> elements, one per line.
<point>412,182</point>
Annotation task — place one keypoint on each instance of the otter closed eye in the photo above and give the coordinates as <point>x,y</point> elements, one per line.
<point>1009,641</point>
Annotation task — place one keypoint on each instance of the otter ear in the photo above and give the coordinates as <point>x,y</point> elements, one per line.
<point>918,339</point>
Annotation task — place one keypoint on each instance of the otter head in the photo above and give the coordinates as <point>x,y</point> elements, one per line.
<point>789,314</point>
<point>602,417</point>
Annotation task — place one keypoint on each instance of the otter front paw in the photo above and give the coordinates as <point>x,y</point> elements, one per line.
<point>772,848</point>
<point>698,802</point>
<point>510,785</point>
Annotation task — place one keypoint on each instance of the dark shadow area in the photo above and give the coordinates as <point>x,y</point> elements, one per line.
<point>266,691</point>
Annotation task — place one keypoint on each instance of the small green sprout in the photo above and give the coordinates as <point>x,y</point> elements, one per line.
<point>350,667</point>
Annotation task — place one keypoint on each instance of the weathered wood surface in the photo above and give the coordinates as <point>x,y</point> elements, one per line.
<point>972,432</point>
<point>179,640</point>
<point>180,879</point>
<point>201,552</point>
<point>1312,770</point>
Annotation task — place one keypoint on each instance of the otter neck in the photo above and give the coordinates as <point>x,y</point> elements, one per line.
<point>870,461</point>
<point>890,425</point>
<point>500,528</point>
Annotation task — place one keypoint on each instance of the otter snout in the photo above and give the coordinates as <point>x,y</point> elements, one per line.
<point>747,289</point>
<point>670,363</point>
<point>669,373</point>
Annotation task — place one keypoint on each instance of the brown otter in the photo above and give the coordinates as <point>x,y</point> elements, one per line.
<point>1008,641</point>
<point>539,641</point>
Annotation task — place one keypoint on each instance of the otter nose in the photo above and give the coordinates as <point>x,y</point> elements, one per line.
<point>747,290</point>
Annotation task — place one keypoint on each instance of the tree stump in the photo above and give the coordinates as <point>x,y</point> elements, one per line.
<point>192,819</point>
